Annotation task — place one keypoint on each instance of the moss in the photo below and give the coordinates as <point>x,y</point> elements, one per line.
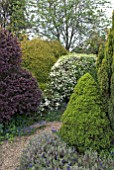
<point>84,124</point>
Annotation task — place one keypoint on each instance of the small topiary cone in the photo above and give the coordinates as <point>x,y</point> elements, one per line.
<point>85,125</point>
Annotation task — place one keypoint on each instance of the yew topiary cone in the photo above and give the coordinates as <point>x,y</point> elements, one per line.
<point>84,125</point>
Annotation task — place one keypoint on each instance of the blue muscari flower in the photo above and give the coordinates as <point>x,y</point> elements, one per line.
<point>112,153</point>
<point>101,164</point>
<point>7,130</point>
<point>68,168</point>
<point>63,161</point>
<point>19,131</point>
<point>42,122</point>
<point>55,157</point>
<point>43,155</point>
<point>53,130</point>
<point>69,164</point>
<point>30,165</point>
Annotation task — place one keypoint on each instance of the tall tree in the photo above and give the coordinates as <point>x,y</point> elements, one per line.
<point>106,74</point>
<point>13,15</point>
<point>69,20</point>
<point>92,43</point>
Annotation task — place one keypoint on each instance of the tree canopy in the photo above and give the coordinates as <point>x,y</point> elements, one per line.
<point>13,15</point>
<point>69,20</point>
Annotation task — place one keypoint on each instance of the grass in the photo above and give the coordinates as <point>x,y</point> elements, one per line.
<point>52,116</point>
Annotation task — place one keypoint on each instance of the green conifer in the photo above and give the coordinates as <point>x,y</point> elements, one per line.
<point>85,125</point>
<point>103,80</point>
<point>106,75</point>
<point>100,56</point>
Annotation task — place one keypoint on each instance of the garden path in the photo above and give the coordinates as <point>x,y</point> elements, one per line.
<point>10,152</point>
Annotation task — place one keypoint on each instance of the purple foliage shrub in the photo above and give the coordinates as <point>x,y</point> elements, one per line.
<point>19,92</point>
<point>10,53</point>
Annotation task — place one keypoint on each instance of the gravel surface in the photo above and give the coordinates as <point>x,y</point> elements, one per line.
<point>10,152</point>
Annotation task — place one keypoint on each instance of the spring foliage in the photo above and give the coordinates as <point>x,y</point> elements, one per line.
<point>57,49</point>
<point>63,78</point>
<point>70,21</point>
<point>84,124</point>
<point>47,151</point>
<point>106,74</point>
<point>19,92</point>
<point>39,56</point>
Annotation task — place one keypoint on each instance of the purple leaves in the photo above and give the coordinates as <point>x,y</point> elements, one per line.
<point>10,53</point>
<point>19,92</point>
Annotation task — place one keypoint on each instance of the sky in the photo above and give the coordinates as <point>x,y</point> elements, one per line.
<point>109,11</point>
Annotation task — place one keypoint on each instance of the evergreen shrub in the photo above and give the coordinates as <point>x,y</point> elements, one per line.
<point>63,78</point>
<point>57,49</point>
<point>105,68</point>
<point>19,92</point>
<point>100,56</point>
<point>38,57</point>
<point>85,125</point>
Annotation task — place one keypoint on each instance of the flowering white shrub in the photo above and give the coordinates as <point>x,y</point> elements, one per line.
<point>63,78</point>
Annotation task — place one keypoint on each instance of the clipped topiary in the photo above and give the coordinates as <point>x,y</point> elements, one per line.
<point>39,56</point>
<point>57,49</point>
<point>84,124</point>
<point>38,59</point>
<point>19,92</point>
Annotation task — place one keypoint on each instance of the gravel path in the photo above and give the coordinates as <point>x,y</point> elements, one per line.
<point>10,152</point>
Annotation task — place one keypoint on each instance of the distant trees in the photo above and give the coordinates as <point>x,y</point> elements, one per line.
<point>13,15</point>
<point>69,20</point>
<point>92,43</point>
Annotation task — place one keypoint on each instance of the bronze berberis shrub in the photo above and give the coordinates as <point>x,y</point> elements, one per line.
<point>19,92</point>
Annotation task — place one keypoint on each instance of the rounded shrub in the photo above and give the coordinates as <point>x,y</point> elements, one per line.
<point>39,56</point>
<point>57,49</point>
<point>19,92</point>
<point>85,125</point>
<point>63,78</point>
<point>48,152</point>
